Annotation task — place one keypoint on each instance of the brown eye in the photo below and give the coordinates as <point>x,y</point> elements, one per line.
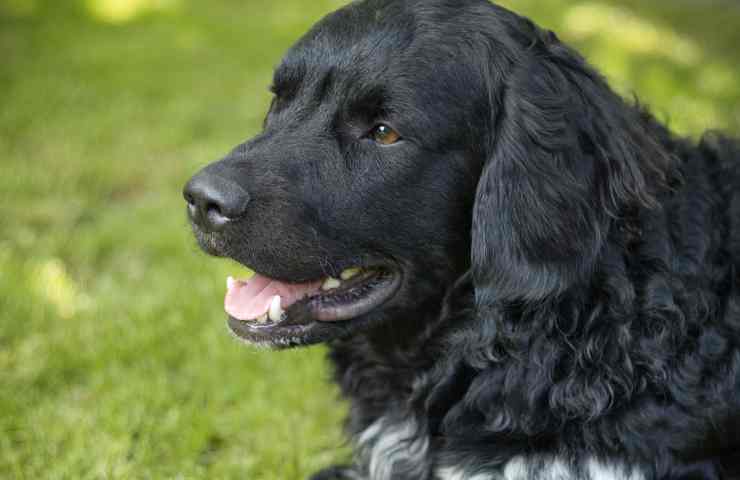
<point>384,135</point>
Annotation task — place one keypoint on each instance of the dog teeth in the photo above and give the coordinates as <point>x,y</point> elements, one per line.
<point>349,273</point>
<point>276,312</point>
<point>262,318</point>
<point>230,282</point>
<point>330,283</point>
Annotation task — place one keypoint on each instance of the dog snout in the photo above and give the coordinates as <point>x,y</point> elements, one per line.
<point>214,201</point>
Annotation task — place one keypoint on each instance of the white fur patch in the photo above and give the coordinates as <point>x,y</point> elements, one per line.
<point>612,471</point>
<point>389,448</point>
<point>523,468</point>
<point>452,473</point>
<point>537,468</point>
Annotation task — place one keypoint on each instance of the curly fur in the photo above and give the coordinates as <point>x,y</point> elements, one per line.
<point>602,316</point>
<point>571,298</point>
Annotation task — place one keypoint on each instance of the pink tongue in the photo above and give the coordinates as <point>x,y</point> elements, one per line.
<point>247,300</point>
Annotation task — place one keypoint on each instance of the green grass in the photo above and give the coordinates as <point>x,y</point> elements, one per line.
<point>114,358</point>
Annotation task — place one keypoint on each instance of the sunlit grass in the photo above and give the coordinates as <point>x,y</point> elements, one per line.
<point>120,11</point>
<point>627,31</point>
<point>613,29</point>
<point>53,283</point>
<point>675,71</point>
<point>114,358</point>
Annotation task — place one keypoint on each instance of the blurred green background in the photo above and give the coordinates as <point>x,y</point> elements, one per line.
<point>114,358</point>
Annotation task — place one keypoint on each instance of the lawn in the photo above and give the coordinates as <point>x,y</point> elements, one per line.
<point>114,358</point>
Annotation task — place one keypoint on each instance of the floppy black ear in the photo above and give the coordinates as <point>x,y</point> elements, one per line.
<point>567,157</point>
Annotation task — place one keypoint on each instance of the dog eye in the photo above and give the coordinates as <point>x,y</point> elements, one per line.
<point>384,135</point>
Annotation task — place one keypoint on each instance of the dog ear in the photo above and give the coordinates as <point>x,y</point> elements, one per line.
<point>567,156</point>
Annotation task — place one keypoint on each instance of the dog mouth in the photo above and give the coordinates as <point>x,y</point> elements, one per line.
<point>265,310</point>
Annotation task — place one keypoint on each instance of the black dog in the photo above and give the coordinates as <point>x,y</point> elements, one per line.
<point>519,274</point>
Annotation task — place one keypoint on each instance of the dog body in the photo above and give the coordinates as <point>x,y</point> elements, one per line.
<point>552,278</point>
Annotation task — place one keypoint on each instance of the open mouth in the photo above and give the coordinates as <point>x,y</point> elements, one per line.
<point>264,310</point>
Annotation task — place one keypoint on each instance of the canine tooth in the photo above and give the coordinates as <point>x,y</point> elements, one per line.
<point>276,312</point>
<point>330,283</point>
<point>349,273</point>
<point>230,282</point>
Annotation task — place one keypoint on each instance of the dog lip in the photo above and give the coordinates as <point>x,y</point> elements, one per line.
<point>321,311</point>
<point>378,289</point>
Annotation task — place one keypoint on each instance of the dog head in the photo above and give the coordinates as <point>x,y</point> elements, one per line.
<point>409,142</point>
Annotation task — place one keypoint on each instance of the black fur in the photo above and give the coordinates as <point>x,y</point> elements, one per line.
<point>571,268</point>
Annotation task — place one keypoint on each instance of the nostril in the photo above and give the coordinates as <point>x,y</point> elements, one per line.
<point>214,201</point>
<point>215,217</point>
<point>214,208</point>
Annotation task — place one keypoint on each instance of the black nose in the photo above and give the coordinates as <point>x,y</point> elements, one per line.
<point>214,201</point>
